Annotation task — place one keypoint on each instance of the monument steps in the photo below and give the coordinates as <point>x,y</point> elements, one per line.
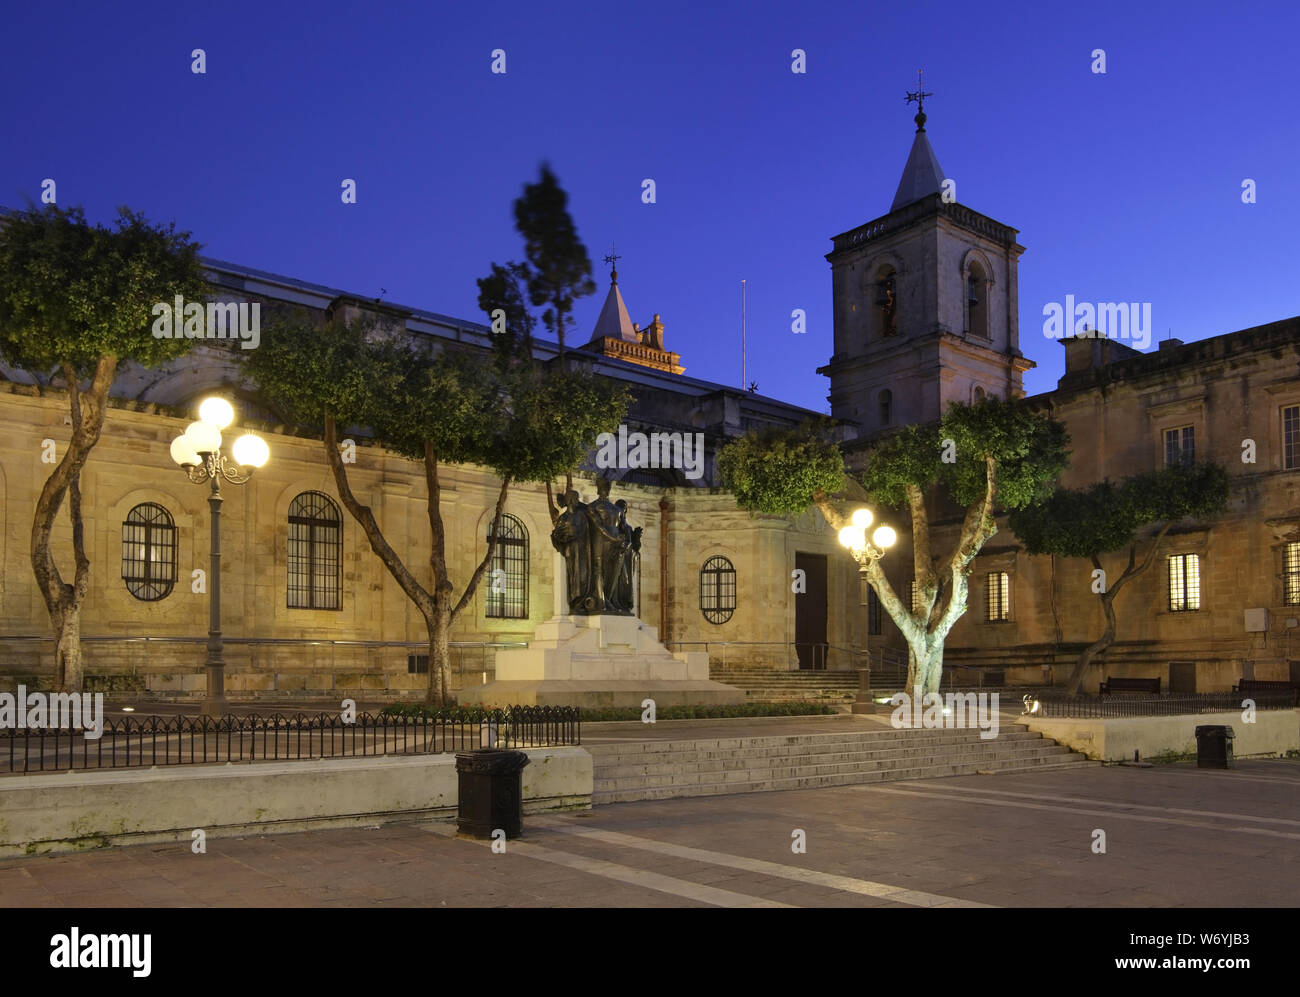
<point>770,685</point>
<point>655,770</point>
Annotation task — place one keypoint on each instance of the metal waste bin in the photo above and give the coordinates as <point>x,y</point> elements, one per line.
<point>490,792</point>
<point>1214,746</point>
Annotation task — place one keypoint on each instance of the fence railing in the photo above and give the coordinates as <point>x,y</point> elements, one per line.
<point>133,742</point>
<point>1157,705</point>
<point>472,662</point>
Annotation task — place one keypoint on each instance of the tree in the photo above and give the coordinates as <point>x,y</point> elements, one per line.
<point>76,302</point>
<point>1106,517</point>
<point>976,455</point>
<point>559,270</point>
<point>435,405</point>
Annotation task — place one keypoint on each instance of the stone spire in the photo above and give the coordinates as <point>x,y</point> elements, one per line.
<point>616,335</point>
<point>922,176</point>
<point>614,321</point>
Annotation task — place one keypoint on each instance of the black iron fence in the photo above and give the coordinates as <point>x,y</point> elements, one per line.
<point>134,742</point>
<point>1156,705</point>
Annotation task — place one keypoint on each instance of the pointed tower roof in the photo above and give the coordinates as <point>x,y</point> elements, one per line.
<point>614,321</point>
<point>922,176</point>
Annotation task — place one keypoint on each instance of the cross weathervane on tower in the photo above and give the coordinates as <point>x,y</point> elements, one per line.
<point>918,95</point>
<point>612,259</point>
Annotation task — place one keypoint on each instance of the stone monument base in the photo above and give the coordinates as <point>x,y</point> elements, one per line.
<point>599,661</point>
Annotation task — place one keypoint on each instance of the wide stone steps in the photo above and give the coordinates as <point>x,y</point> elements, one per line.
<point>774,686</point>
<point>653,770</point>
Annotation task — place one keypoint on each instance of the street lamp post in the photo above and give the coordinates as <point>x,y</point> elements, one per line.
<point>198,452</point>
<point>864,551</point>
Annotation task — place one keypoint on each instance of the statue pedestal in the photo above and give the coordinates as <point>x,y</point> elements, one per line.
<point>599,661</point>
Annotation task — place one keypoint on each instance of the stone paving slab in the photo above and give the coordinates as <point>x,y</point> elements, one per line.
<point>1176,836</point>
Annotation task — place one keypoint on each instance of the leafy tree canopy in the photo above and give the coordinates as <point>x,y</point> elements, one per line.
<point>71,292</point>
<point>780,471</point>
<point>1106,516</point>
<point>1028,450</point>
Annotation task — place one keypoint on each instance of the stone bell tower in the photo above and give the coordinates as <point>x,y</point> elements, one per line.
<point>925,304</point>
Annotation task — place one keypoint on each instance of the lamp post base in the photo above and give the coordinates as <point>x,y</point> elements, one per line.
<point>864,703</point>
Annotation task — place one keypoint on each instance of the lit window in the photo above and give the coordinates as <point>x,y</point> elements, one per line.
<point>1291,436</point>
<point>507,579</point>
<point>315,553</point>
<point>1180,446</point>
<point>149,552</point>
<point>1184,583</point>
<point>998,597</point>
<point>1291,574</point>
<point>717,590</point>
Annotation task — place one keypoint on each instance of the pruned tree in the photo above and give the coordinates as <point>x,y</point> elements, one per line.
<point>76,302</point>
<point>991,453</point>
<point>559,270</point>
<point>1107,517</point>
<point>437,406</point>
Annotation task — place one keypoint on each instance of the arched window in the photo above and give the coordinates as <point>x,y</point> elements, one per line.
<point>315,553</point>
<point>717,590</point>
<point>887,302</point>
<point>977,306</point>
<point>977,395</point>
<point>507,579</point>
<point>886,407</point>
<point>149,552</point>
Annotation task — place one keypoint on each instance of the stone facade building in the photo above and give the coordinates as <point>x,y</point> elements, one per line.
<point>925,313</point>
<point>307,607</point>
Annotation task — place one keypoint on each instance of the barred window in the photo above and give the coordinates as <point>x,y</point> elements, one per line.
<point>886,407</point>
<point>1180,446</point>
<point>507,580</point>
<point>717,590</point>
<point>998,597</point>
<point>149,552</point>
<point>1291,436</point>
<point>1291,574</point>
<point>315,553</point>
<point>873,612</point>
<point>1184,583</point>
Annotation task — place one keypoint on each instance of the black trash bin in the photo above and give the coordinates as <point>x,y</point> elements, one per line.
<point>490,792</point>
<point>1214,746</point>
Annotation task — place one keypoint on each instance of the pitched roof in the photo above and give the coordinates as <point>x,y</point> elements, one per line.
<point>922,176</point>
<point>614,321</point>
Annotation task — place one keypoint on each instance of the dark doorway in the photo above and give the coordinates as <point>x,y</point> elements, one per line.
<point>810,611</point>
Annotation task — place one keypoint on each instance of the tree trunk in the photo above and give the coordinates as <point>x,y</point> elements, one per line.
<point>439,656</point>
<point>68,668</point>
<point>1107,597</point>
<point>63,600</point>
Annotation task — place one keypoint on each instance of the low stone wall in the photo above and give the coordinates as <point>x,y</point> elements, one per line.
<point>91,809</point>
<point>1274,732</point>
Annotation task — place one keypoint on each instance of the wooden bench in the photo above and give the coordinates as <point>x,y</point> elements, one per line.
<point>1130,685</point>
<point>1256,685</point>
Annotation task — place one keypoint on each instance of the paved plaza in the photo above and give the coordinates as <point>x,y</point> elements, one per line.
<point>1175,836</point>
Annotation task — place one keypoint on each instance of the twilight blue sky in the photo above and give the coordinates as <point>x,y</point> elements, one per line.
<point>1124,186</point>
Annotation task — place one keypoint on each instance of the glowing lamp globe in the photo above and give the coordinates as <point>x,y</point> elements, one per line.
<point>250,450</point>
<point>203,436</point>
<point>852,537</point>
<point>884,537</point>
<point>217,411</point>
<point>183,452</point>
<point>862,518</point>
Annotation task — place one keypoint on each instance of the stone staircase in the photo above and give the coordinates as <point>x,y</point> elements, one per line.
<point>763,685</point>
<point>660,770</point>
